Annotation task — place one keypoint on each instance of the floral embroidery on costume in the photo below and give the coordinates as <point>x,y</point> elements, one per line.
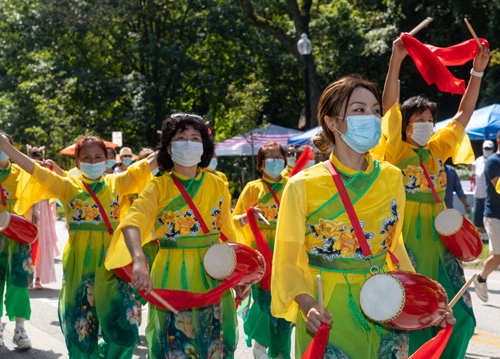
<point>394,345</point>
<point>179,225</point>
<point>86,324</point>
<point>3,243</point>
<point>455,274</point>
<point>414,179</point>
<point>216,213</point>
<point>337,240</point>
<point>7,193</point>
<point>269,212</point>
<point>389,226</point>
<point>334,353</point>
<point>115,211</point>
<point>84,212</point>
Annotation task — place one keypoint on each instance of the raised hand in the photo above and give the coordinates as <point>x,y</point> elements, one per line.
<point>481,59</point>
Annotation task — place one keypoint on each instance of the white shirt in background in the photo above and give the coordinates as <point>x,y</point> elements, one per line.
<point>480,185</point>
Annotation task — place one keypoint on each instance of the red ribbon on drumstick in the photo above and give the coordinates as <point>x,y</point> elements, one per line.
<point>262,247</point>
<point>305,157</point>
<point>435,347</point>
<point>317,347</point>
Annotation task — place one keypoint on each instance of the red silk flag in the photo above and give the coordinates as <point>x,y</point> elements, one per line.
<point>431,61</point>
<point>263,248</point>
<point>305,157</point>
<point>317,347</point>
<point>434,347</point>
<point>35,252</point>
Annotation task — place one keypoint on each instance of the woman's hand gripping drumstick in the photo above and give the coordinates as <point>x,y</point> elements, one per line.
<point>242,291</point>
<point>316,311</point>
<point>449,312</point>
<point>257,213</point>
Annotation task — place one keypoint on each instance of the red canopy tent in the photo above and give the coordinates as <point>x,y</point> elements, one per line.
<point>70,151</point>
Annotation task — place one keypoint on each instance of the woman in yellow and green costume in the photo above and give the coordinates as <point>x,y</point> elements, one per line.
<point>264,194</point>
<point>91,296</point>
<point>408,142</point>
<point>315,236</point>
<point>200,332</point>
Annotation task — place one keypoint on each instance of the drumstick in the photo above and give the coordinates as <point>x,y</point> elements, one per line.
<point>473,34</point>
<point>264,219</point>
<point>163,301</point>
<point>461,292</point>
<point>320,295</point>
<point>420,26</point>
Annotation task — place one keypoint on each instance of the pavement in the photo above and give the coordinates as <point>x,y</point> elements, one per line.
<point>48,341</point>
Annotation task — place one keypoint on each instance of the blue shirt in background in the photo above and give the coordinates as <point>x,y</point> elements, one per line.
<point>492,203</point>
<point>452,185</point>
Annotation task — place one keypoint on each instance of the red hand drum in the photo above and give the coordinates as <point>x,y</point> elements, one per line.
<point>18,228</point>
<point>403,300</point>
<point>223,261</point>
<point>458,235</point>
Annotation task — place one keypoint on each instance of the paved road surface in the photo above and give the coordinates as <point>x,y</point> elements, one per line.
<point>48,341</point>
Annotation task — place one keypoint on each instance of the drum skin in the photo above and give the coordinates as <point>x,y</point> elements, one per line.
<point>465,244</point>
<point>425,302</point>
<point>246,259</point>
<point>19,229</point>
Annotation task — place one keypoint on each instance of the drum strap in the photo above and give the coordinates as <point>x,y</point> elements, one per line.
<point>272,192</point>
<point>101,208</point>
<point>429,181</point>
<point>349,208</point>
<point>191,205</point>
<point>4,202</point>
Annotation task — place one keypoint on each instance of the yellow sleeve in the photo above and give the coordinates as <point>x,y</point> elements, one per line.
<point>291,275</point>
<point>397,246</point>
<point>41,185</point>
<point>227,223</point>
<point>452,141</point>
<point>497,188</point>
<point>135,179</point>
<point>243,233</point>
<point>391,132</point>
<point>224,178</point>
<point>142,215</point>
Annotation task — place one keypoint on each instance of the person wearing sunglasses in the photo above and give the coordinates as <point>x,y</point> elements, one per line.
<point>92,299</point>
<point>179,206</point>
<point>271,336</point>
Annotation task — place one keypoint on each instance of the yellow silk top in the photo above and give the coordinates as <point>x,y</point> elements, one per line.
<point>9,178</point>
<point>82,213</point>
<point>252,192</point>
<point>219,174</point>
<point>161,207</point>
<point>380,209</point>
<point>450,141</point>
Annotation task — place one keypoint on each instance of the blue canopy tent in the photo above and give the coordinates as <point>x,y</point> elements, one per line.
<point>304,138</point>
<point>484,123</point>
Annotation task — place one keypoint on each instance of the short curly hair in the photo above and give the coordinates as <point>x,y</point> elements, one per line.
<point>171,127</point>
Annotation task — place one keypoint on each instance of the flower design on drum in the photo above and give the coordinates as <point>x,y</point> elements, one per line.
<point>216,214</point>
<point>338,242</point>
<point>269,212</point>
<point>414,179</point>
<point>389,226</point>
<point>115,211</point>
<point>84,212</point>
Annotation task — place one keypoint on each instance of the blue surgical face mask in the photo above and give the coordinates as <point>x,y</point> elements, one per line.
<point>290,162</point>
<point>486,153</point>
<point>155,171</point>
<point>93,171</point>
<point>110,163</point>
<point>363,132</point>
<point>3,156</point>
<point>127,161</point>
<point>274,167</point>
<point>213,164</point>
<point>187,153</point>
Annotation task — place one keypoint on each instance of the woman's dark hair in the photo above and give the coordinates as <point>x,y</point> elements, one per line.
<point>261,155</point>
<point>111,151</point>
<point>416,105</point>
<point>87,141</point>
<point>8,137</point>
<point>334,102</point>
<point>171,127</point>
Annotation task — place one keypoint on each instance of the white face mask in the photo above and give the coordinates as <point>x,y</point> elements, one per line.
<point>186,153</point>
<point>422,132</point>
